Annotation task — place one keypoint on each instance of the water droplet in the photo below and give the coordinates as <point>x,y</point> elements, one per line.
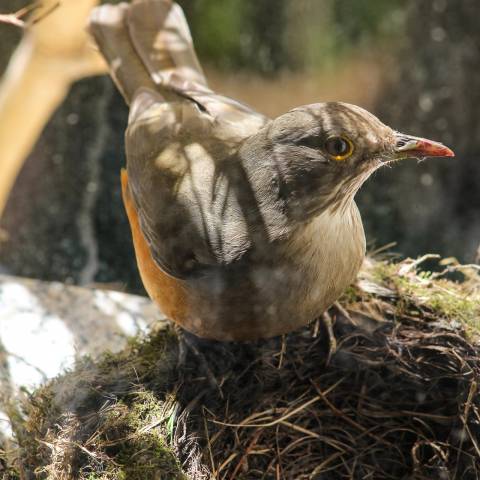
<point>438,34</point>
<point>425,102</point>
<point>420,397</point>
<point>72,118</point>
<point>426,180</point>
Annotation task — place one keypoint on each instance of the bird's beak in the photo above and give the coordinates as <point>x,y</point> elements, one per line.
<point>408,146</point>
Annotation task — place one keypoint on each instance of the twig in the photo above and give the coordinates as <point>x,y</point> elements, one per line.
<point>378,250</point>
<point>245,455</point>
<point>16,18</point>
<point>408,267</point>
<point>46,13</point>
<point>207,436</point>
<point>288,415</point>
<point>353,423</point>
<point>11,19</point>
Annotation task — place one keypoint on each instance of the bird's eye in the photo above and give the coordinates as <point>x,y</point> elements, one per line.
<point>339,148</point>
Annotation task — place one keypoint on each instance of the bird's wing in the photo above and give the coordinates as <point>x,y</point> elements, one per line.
<point>180,137</point>
<point>178,158</point>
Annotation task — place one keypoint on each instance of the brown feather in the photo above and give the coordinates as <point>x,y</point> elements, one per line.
<point>167,292</point>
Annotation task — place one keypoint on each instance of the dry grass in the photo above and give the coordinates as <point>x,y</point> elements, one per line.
<point>399,399</point>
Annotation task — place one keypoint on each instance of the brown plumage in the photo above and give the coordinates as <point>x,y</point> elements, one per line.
<point>243,227</point>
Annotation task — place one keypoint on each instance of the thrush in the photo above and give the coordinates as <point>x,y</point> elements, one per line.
<point>244,227</point>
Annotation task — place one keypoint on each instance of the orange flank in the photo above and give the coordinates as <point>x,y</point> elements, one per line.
<point>166,291</point>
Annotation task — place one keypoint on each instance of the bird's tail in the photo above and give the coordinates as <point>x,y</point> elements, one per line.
<point>147,43</point>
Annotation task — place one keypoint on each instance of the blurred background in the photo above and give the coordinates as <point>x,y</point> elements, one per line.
<point>414,64</point>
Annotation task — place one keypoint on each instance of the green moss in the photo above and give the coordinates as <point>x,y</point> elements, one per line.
<point>148,458</point>
<point>431,291</point>
<point>113,418</point>
<point>7,470</point>
<point>351,295</point>
<point>139,439</point>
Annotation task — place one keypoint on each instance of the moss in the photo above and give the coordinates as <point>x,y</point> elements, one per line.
<point>350,295</point>
<point>106,419</point>
<point>449,300</point>
<point>7,468</point>
<point>133,415</point>
<point>137,437</point>
<point>145,451</point>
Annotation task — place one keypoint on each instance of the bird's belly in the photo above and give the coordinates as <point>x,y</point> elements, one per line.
<point>258,306</point>
<point>298,283</point>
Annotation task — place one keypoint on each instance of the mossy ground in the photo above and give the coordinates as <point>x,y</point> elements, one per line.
<point>399,398</point>
<point>100,422</point>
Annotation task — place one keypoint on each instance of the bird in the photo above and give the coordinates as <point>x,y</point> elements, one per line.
<point>244,227</point>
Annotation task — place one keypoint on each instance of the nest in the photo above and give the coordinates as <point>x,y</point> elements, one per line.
<point>398,399</point>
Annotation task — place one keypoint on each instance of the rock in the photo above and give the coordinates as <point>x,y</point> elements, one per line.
<point>44,326</point>
<point>64,220</point>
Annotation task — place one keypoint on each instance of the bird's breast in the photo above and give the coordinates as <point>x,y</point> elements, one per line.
<point>288,287</point>
<point>328,253</point>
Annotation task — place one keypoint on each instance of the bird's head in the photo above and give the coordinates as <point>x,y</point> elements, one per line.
<point>322,154</point>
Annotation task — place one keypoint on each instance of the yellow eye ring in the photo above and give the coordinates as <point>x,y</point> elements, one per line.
<point>339,148</point>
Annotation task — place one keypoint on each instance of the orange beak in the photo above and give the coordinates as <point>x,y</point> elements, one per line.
<point>408,146</point>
